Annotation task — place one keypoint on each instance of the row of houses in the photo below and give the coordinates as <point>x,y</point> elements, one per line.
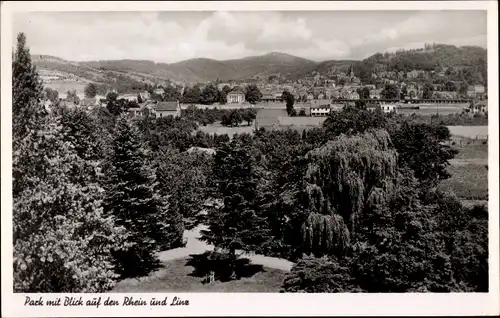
<point>324,109</point>
<point>158,110</point>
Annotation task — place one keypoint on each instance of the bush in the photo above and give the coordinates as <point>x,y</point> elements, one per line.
<point>224,266</point>
<point>319,275</point>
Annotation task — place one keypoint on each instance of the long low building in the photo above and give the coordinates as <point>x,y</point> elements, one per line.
<point>320,110</point>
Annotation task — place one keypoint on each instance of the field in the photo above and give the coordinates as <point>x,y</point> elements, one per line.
<point>480,132</point>
<point>441,109</point>
<point>267,117</point>
<point>176,276</point>
<point>469,181</point>
<point>65,86</point>
<point>217,128</point>
<point>469,173</point>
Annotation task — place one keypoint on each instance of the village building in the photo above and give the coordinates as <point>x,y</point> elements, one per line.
<point>159,91</point>
<point>375,94</point>
<point>267,96</point>
<point>167,108</point>
<point>134,112</point>
<point>336,106</point>
<point>478,108</point>
<point>145,95</point>
<point>389,108</point>
<point>130,97</point>
<point>353,95</point>
<point>235,97</point>
<point>320,110</point>
<point>479,89</point>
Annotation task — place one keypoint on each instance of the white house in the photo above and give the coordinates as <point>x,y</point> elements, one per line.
<point>389,108</point>
<point>477,108</point>
<point>320,110</point>
<point>169,108</point>
<point>159,91</point>
<point>235,97</point>
<point>130,97</point>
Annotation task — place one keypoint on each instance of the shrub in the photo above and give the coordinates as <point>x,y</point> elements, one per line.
<point>319,275</point>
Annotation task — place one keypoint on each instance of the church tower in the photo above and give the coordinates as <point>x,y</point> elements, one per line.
<point>351,71</point>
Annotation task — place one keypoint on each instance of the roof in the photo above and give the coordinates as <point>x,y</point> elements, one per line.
<point>320,106</point>
<point>236,91</point>
<point>88,102</point>
<point>167,106</point>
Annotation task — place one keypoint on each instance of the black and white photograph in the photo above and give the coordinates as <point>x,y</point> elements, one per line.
<point>243,151</point>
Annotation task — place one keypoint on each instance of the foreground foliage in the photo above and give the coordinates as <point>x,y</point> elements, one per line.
<point>132,197</point>
<point>62,238</point>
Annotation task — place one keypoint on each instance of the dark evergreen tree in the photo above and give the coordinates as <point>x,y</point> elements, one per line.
<point>237,225</point>
<point>132,197</point>
<point>27,93</point>
<point>290,100</point>
<point>90,90</point>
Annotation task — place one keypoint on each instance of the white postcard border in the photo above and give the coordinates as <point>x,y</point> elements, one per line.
<point>238,304</point>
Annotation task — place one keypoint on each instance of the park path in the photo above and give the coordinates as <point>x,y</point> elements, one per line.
<point>195,246</point>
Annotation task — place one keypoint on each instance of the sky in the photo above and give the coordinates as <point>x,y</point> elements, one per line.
<point>170,37</point>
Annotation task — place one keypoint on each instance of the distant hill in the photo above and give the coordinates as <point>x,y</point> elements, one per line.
<point>432,58</point>
<point>199,70</point>
<point>205,70</point>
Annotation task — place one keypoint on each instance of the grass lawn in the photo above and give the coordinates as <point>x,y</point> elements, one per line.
<point>217,128</point>
<point>469,131</point>
<point>468,181</point>
<point>469,178</point>
<point>177,277</point>
<point>473,151</point>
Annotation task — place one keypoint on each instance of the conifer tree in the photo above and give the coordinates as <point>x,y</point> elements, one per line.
<point>132,197</point>
<point>238,224</point>
<point>27,92</point>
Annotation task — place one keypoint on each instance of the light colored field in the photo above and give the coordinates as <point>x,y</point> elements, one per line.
<point>213,106</point>
<point>301,121</point>
<point>217,128</point>
<point>473,132</point>
<point>65,86</point>
<point>269,117</point>
<point>468,181</point>
<point>471,203</point>
<point>469,172</point>
<point>475,151</point>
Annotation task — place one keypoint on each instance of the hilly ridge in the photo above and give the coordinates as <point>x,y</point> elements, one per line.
<point>202,70</point>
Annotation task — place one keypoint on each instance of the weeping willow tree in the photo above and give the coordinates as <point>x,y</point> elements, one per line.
<point>325,234</point>
<point>344,177</point>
